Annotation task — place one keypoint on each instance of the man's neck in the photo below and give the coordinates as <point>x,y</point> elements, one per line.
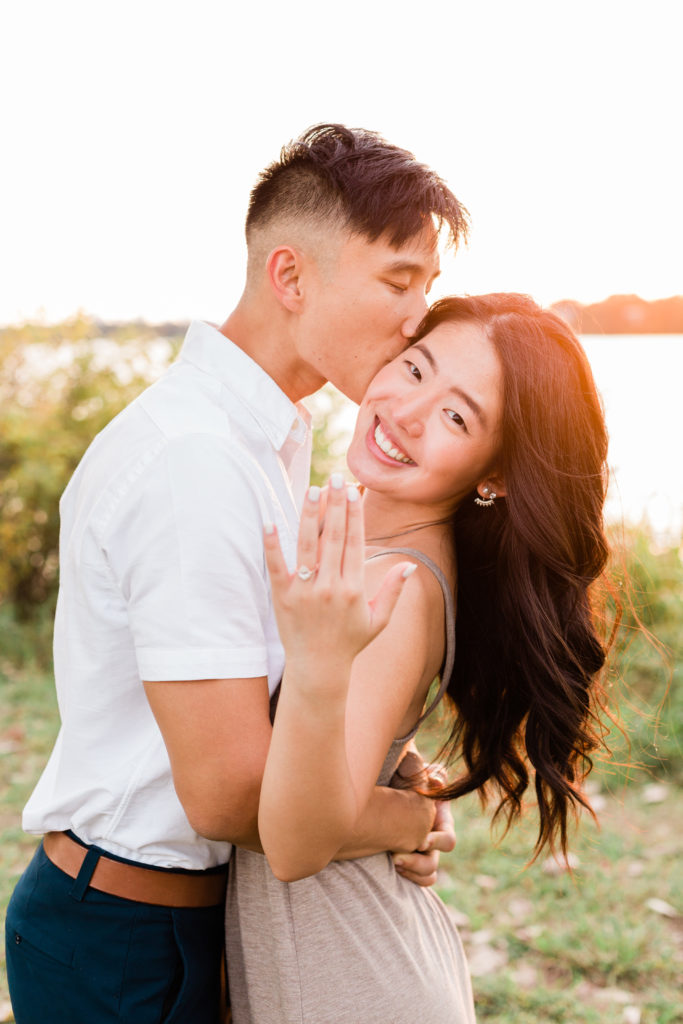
<point>267,341</point>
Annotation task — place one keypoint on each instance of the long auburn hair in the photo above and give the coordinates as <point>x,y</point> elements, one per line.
<point>528,653</point>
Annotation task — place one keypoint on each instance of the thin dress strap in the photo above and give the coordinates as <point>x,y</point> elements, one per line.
<point>449,607</point>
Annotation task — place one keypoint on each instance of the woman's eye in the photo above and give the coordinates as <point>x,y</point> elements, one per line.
<point>400,288</point>
<point>456,418</point>
<point>413,370</point>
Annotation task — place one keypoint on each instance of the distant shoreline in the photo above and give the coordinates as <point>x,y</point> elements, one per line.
<point>623,314</point>
<point>618,314</point>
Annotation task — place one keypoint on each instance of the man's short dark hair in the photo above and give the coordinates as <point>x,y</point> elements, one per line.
<point>358,179</point>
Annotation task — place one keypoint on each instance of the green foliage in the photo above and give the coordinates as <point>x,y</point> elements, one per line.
<point>27,643</point>
<point>58,387</point>
<point>330,412</point>
<point>645,681</point>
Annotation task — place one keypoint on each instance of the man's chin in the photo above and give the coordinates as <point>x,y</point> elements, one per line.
<point>354,394</point>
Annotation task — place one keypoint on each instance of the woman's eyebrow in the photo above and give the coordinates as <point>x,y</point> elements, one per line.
<point>427,354</point>
<point>474,406</point>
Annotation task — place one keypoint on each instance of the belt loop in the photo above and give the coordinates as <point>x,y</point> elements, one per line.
<point>82,880</point>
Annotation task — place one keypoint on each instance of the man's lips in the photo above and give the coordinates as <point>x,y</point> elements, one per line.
<point>384,447</point>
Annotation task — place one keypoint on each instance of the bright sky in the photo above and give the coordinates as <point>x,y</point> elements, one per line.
<point>133,131</point>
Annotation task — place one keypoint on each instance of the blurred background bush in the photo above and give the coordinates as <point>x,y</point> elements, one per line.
<point>58,387</point>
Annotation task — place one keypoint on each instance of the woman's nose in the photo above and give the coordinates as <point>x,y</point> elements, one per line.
<point>409,415</point>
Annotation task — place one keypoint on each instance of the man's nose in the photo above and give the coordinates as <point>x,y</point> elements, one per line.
<point>417,311</point>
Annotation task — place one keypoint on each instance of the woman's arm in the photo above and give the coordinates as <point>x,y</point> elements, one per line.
<point>343,697</point>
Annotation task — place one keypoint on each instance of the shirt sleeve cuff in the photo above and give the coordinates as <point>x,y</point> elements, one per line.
<point>156,664</point>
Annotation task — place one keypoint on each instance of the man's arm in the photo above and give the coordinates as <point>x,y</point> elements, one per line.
<point>391,821</point>
<point>217,733</point>
<point>417,864</point>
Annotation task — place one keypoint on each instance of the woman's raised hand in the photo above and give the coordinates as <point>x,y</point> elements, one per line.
<point>322,610</point>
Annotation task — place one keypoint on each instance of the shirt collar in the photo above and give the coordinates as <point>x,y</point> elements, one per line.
<point>279,418</point>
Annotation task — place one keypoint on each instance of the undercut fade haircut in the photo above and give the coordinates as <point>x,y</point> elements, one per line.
<point>355,179</point>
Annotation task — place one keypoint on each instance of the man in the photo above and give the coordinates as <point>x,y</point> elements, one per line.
<point>163,580</point>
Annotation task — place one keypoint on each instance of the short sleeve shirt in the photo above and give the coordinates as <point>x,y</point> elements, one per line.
<point>162,577</point>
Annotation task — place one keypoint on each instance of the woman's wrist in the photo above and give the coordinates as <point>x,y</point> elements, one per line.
<point>315,679</point>
<point>312,707</point>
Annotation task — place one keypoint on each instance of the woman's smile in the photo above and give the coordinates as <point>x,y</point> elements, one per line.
<point>385,446</point>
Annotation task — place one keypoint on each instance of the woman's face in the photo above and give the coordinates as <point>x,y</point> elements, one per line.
<point>428,428</point>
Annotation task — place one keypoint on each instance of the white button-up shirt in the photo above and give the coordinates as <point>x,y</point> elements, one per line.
<point>163,577</point>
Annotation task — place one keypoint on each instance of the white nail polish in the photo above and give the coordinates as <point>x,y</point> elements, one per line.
<point>269,528</point>
<point>314,493</point>
<point>352,493</point>
<point>337,481</point>
<point>408,571</point>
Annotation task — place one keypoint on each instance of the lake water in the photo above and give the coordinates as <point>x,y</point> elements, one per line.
<point>640,377</point>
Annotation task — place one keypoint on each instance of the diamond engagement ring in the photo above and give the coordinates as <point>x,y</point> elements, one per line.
<point>304,573</point>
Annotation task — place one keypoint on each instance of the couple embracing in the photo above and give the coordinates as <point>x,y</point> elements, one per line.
<point>225,685</point>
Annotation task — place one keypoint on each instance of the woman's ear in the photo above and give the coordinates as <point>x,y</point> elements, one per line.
<point>283,268</point>
<point>492,484</point>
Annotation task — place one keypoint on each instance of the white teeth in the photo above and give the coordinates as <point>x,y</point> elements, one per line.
<point>387,447</point>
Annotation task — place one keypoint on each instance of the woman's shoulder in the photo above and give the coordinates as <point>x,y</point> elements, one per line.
<point>437,566</point>
<point>426,591</point>
<point>415,633</point>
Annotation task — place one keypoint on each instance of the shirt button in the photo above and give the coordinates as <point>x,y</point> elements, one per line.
<point>17,939</point>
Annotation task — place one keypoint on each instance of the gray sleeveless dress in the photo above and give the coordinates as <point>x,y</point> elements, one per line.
<point>354,944</point>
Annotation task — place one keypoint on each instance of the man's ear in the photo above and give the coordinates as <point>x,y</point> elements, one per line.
<point>283,268</point>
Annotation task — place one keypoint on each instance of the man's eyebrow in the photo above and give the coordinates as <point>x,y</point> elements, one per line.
<point>405,266</point>
<point>474,406</point>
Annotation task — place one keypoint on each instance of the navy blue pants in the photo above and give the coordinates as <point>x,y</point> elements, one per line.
<point>79,956</point>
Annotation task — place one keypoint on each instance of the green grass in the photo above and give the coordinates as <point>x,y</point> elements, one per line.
<point>575,947</point>
<point>550,948</point>
<point>28,712</point>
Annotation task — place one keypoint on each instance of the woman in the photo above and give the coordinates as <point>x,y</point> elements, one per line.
<point>485,438</point>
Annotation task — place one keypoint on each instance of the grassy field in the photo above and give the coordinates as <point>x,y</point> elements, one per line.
<point>603,945</point>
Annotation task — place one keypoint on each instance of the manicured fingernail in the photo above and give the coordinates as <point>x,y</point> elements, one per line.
<point>269,527</point>
<point>352,493</point>
<point>398,864</point>
<point>408,571</point>
<point>314,493</point>
<point>337,481</point>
